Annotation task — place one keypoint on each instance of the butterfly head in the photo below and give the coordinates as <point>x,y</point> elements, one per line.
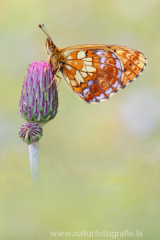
<point>49,45</point>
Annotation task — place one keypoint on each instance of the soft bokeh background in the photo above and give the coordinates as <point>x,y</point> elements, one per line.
<point>99,163</point>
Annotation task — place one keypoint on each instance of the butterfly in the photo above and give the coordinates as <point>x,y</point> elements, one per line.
<point>95,72</point>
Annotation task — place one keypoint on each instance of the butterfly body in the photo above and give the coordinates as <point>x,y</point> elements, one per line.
<point>95,72</point>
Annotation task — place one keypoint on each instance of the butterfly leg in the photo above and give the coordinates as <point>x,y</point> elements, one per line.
<point>59,81</point>
<point>55,75</point>
<point>47,65</point>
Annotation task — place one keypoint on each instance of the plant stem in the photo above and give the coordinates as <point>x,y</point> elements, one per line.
<point>34,161</point>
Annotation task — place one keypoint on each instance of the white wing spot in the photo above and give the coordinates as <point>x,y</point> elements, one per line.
<point>91,74</point>
<point>73,82</point>
<point>102,59</point>
<point>85,91</point>
<point>102,100</point>
<point>118,65</point>
<point>108,91</point>
<point>69,57</point>
<point>114,56</point>
<point>111,94</point>
<point>68,67</point>
<point>99,53</point>
<point>84,74</point>
<point>88,69</point>
<point>90,83</point>
<point>87,63</point>
<point>81,95</point>
<point>87,59</point>
<point>79,78</point>
<point>119,74</point>
<point>93,101</point>
<point>115,85</point>
<point>81,54</point>
<point>102,66</point>
<point>100,96</point>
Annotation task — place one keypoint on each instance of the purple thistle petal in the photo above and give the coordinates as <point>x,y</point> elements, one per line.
<point>44,83</point>
<point>52,90</point>
<point>52,105</point>
<point>26,87</point>
<point>33,99</point>
<point>42,101</point>
<point>30,86</point>
<point>35,77</point>
<point>48,96</point>
<point>30,113</point>
<point>36,103</point>
<point>38,92</point>
<point>26,102</point>
<point>39,116</point>
<point>45,109</point>
<point>36,109</point>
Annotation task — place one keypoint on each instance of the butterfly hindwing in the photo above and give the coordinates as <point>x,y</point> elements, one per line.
<point>133,61</point>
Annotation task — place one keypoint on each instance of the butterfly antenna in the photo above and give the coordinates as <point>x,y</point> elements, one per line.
<point>45,31</point>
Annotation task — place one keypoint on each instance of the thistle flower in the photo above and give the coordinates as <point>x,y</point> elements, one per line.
<point>38,105</point>
<point>39,100</point>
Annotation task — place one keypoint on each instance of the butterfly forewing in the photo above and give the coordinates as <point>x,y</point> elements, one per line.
<point>95,72</point>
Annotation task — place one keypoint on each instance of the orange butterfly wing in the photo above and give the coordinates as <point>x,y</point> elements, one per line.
<point>95,72</point>
<point>133,61</point>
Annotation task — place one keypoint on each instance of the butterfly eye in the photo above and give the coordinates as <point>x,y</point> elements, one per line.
<point>49,46</point>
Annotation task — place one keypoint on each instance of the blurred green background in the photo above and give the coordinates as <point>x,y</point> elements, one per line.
<point>99,163</point>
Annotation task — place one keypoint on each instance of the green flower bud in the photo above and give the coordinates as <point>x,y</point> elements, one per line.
<point>30,132</point>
